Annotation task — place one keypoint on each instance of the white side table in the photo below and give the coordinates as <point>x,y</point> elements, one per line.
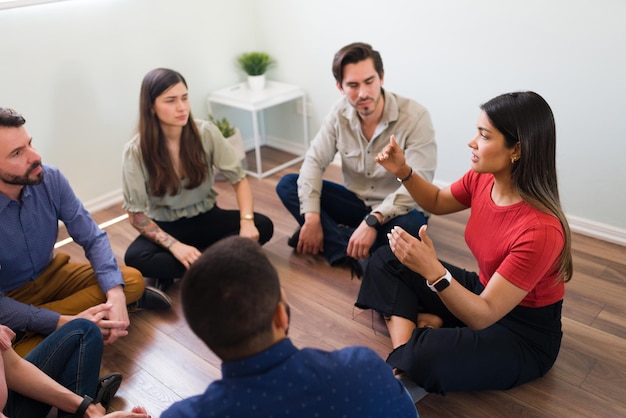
<point>241,97</point>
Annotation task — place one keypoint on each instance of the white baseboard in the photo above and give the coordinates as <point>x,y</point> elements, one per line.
<point>292,147</point>
<point>577,224</point>
<point>597,230</point>
<point>105,201</point>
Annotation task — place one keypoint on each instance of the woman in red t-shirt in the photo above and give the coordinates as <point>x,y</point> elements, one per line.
<point>500,327</point>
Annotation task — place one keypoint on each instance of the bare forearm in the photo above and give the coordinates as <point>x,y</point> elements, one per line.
<point>25,378</point>
<point>149,229</point>
<point>422,191</point>
<point>245,201</point>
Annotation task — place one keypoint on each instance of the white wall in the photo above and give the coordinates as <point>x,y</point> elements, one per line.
<point>453,55</point>
<point>74,68</point>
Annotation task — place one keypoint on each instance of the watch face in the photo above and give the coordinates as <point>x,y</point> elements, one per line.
<point>372,220</point>
<point>441,284</point>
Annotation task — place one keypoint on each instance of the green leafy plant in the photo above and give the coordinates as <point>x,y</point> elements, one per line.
<point>224,126</point>
<point>255,63</point>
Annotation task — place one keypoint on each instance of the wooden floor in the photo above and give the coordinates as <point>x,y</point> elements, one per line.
<point>162,361</point>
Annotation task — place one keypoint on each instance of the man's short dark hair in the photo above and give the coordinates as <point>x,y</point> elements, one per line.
<point>10,118</point>
<point>353,53</point>
<point>230,294</point>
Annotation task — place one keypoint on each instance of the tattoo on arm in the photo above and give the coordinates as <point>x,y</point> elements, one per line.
<point>149,229</point>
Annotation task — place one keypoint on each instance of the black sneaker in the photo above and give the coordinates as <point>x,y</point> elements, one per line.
<point>154,299</point>
<point>107,387</point>
<point>293,240</point>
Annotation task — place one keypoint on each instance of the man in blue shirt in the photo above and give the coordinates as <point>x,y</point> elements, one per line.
<point>40,292</point>
<point>233,301</point>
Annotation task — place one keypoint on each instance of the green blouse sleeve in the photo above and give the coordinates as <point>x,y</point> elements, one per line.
<point>134,178</point>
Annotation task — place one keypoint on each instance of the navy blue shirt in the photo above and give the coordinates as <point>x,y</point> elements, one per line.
<point>283,381</point>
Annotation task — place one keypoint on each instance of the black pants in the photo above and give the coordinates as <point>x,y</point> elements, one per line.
<point>519,348</point>
<point>154,261</point>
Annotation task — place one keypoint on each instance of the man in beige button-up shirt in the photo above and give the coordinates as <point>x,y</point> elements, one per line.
<point>347,222</point>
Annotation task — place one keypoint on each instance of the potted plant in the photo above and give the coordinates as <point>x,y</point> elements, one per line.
<point>255,65</point>
<point>233,136</point>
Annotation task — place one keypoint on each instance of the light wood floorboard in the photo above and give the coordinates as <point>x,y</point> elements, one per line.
<point>163,361</point>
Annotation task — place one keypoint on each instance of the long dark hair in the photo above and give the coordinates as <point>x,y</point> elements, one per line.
<point>162,178</point>
<point>525,117</point>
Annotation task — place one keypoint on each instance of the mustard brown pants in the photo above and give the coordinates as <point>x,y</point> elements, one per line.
<point>68,288</point>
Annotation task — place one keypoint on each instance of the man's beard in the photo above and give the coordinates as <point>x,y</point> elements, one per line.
<point>366,111</point>
<point>24,180</point>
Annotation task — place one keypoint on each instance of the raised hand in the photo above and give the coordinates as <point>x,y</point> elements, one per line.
<point>392,157</point>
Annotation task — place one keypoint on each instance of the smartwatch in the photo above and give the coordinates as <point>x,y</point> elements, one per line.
<point>440,284</point>
<point>372,220</point>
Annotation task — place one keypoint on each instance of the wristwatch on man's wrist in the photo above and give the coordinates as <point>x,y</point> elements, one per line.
<point>372,220</point>
<point>440,284</point>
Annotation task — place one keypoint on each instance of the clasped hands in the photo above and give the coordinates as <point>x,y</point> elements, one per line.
<point>100,315</point>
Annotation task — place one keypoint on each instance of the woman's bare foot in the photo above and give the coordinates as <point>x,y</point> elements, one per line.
<point>429,320</point>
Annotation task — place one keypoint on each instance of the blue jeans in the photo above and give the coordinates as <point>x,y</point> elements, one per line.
<point>71,356</point>
<point>341,212</point>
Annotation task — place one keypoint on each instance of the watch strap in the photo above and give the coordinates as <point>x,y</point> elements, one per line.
<point>82,408</point>
<point>407,177</point>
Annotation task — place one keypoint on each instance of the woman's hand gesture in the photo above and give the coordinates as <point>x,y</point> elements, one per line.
<point>416,254</point>
<point>391,157</point>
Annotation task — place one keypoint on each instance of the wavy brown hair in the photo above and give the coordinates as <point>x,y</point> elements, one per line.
<point>10,118</point>
<point>352,54</point>
<point>162,178</point>
<point>525,117</point>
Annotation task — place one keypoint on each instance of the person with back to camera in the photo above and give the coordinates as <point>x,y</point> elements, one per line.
<point>39,290</point>
<point>502,326</point>
<point>168,175</point>
<point>62,372</point>
<point>347,222</point>
<point>232,299</point>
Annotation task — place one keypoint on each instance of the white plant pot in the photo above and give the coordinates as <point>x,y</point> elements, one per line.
<point>236,142</point>
<point>256,82</point>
